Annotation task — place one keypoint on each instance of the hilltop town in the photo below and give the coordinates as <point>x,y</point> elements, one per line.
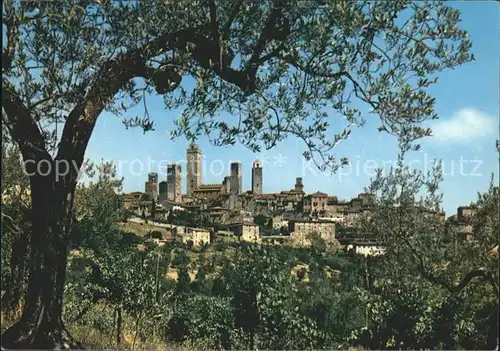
<point>225,209</point>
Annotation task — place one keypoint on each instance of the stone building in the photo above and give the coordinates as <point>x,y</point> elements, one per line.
<point>367,250</point>
<point>226,184</point>
<point>465,212</point>
<point>198,236</point>
<point>216,215</point>
<point>245,231</point>
<point>300,229</point>
<point>315,204</point>
<point>279,222</point>
<point>461,223</point>
<point>352,216</point>
<point>193,175</point>
<point>174,182</point>
<point>208,191</point>
<point>151,186</point>
<point>163,191</point>
<point>332,205</point>
<point>367,199</point>
<point>131,200</point>
<point>257,177</point>
<point>138,203</point>
<point>236,178</point>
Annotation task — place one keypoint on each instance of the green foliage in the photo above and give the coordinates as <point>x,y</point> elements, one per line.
<point>16,226</point>
<point>281,66</point>
<point>180,259</point>
<point>127,279</point>
<point>184,218</point>
<point>99,209</point>
<point>183,280</point>
<point>429,288</point>
<point>317,242</point>
<point>261,220</point>
<point>414,315</point>
<point>264,308</point>
<point>204,319</point>
<point>201,284</point>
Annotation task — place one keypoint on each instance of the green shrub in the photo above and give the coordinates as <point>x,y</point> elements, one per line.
<point>202,318</point>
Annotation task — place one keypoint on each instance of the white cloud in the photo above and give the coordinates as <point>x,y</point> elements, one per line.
<point>465,125</point>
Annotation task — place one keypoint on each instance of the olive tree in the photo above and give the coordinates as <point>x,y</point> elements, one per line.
<point>280,68</point>
<point>417,237</point>
<point>446,289</point>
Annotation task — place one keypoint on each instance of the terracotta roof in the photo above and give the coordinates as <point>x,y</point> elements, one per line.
<point>205,187</point>
<point>318,194</point>
<point>239,223</point>
<point>264,196</point>
<point>366,194</point>
<point>165,202</point>
<point>309,221</point>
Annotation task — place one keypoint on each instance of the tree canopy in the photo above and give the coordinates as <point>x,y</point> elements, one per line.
<point>280,68</point>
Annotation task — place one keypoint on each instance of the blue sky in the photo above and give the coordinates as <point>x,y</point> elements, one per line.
<point>467,101</point>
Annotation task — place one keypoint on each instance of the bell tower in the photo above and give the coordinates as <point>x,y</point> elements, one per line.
<point>193,174</point>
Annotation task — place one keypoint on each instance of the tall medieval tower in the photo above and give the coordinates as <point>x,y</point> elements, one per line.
<point>236,178</point>
<point>174,182</point>
<point>299,185</point>
<point>193,178</point>
<point>163,191</point>
<point>151,186</point>
<point>257,177</point>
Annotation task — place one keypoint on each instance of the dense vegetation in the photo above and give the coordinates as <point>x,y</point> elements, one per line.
<point>121,292</point>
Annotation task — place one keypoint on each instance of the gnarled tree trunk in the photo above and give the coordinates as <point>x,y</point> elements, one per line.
<point>40,325</point>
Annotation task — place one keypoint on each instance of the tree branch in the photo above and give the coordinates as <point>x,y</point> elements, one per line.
<point>12,33</point>
<point>213,20</point>
<point>264,35</point>
<point>234,12</point>
<point>116,73</point>
<point>466,280</point>
<point>22,128</point>
<point>81,120</point>
<point>478,273</point>
<point>317,74</point>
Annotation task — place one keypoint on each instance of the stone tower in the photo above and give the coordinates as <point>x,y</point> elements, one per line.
<point>235,178</point>
<point>151,186</point>
<point>226,184</point>
<point>193,177</point>
<point>174,182</point>
<point>163,190</point>
<point>257,177</point>
<point>299,185</point>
